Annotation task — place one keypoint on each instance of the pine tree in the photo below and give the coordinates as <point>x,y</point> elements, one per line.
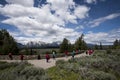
<point>64,45</point>
<point>70,47</point>
<point>7,43</point>
<point>80,43</point>
<point>101,47</point>
<point>116,44</point>
<point>96,47</point>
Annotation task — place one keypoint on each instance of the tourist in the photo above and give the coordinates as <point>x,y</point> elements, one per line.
<point>53,54</point>
<point>39,57</point>
<point>73,54</point>
<point>66,53</point>
<point>86,52</point>
<point>77,51</point>
<point>47,57</point>
<point>10,56</point>
<point>21,57</point>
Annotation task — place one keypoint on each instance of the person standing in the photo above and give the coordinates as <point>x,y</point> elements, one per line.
<point>21,57</point>
<point>53,54</point>
<point>77,51</point>
<point>86,52</point>
<point>47,57</point>
<point>39,57</point>
<point>10,56</point>
<point>66,53</point>
<point>73,54</point>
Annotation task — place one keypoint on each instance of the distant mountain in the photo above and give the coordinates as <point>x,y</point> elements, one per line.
<point>54,44</point>
<point>41,44</point>
<point>20,45</point>
<point>90,45</point>
<point>36,44</point>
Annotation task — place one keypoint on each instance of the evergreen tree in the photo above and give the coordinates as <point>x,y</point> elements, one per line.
<point>70,47</point>
<point>101,47</point>
<point>116,44</point>
<point>96,47</point>
<point>80,43</point>
<point>7,43</point>
<point>31,46</point>
<point>64,45</point>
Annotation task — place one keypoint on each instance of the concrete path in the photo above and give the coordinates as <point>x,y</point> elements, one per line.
<point>43,64</point>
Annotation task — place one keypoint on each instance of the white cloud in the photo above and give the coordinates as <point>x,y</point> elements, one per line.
<point>1,6</point>
<point>105,38</point>
<point>43,32</point>
<point>81,12</point>
<point>79,27</point>
<point>28,3</point>
<point>61,8</point>
<point>40,24</point>
<point>98,21</point>
<point>92,1</point>
<point>61,4</point>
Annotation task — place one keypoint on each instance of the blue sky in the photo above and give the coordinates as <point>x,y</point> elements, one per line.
<point>53,20</point>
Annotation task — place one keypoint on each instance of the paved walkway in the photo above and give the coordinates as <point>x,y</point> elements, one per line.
<point>43,64</point>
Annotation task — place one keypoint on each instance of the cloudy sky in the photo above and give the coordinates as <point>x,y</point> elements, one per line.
<point>53,20</point>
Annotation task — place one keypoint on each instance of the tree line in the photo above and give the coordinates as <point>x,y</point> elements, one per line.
<point>9,45</point>
<point>116,44</point>
<point>82,45</point>
<point>79,44</point>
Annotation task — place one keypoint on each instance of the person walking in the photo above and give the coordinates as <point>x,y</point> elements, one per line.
<point>21,57</point>
<point>77,51</point>
<point>47,57</point>
<point>66,53</point>
<point>39,57</point>
<point>53,55</point>
<point>10,56</point>
<point>86,52</point>
<point>73,54</point>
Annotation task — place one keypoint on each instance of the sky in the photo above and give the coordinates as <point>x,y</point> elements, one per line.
<point>52,20</point>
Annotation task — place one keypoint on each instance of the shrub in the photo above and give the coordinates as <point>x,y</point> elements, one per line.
<point>5,65</point>
<point>31,71</point>
<point>56,73</point>
<point>71,67</point>
<point>22,71</point>
<point>98,75</point>
<point>60,63</point>
<point>108,51</point>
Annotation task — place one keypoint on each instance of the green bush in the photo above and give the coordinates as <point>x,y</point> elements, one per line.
<point>5,65</point>
<point>60,63</point>
<point>99,66</point>
<point>56,73</point>
<point>108,51</point>
<point>22,71</point>
<point>97,75</point>
<point>31,71</point>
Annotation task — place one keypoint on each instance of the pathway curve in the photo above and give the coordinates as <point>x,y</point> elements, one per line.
<point>43,64</point>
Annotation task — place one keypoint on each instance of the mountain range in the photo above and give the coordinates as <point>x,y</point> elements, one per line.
<point>40,44</point>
